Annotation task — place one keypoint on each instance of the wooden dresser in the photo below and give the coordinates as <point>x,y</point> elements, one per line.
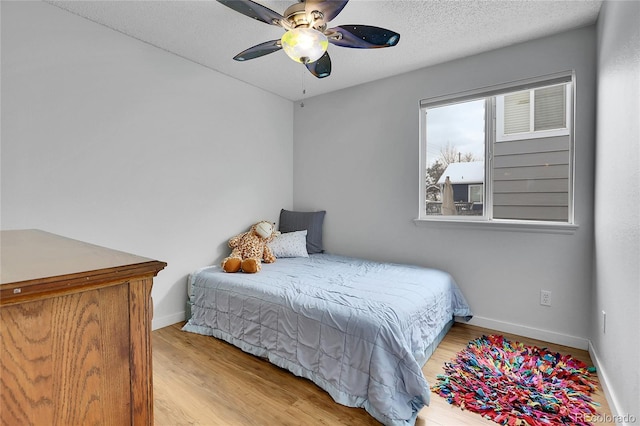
<point>75,324</point>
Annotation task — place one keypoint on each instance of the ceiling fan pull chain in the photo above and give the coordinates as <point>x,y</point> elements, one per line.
<point>304,89</point>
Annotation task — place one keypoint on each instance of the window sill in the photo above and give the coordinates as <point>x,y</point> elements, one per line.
<point>500,225</point>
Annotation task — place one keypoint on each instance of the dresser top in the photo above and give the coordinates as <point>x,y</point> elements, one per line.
<point>32,256</point>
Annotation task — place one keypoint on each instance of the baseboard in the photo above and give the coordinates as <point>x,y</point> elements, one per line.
<point>531,332</point>
<point>167,320</point>
<point>619,417</point>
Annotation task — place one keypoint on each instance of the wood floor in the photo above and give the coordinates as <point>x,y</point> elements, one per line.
<point>199,380</point>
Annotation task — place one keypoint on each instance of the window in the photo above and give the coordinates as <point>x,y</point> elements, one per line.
<point>499,154</point>
<point>530,114</point>
<point>456,152</point>
<point>475,193</point>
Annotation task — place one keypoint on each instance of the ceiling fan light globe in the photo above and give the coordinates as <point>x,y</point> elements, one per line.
<point>304,45</point>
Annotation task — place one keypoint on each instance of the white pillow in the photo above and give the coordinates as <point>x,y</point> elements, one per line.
<point>290,244</point>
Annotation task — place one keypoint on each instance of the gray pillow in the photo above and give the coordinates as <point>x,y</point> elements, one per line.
<point>291,221</point>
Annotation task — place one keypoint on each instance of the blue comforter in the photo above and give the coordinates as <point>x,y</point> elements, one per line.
<point>360,330</point>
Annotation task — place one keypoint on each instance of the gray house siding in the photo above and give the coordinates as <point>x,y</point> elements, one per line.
<point>531,179</point>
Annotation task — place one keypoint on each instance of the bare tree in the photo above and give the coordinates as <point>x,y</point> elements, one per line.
<point>450,154</point>
<point>468,157</point>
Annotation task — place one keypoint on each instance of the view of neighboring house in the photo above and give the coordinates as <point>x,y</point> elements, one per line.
<point>467,180</point>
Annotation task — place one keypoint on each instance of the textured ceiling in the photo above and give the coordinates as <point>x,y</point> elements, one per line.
<point>432,31</point>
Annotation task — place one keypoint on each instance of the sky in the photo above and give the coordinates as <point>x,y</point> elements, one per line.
<point>461,125</point>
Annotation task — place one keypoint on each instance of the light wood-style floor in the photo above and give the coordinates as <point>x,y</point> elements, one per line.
<point>199,380</point>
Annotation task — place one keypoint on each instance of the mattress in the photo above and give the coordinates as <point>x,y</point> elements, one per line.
<point>360,330</point>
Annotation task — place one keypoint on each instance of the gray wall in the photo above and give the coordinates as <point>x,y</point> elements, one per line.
<point>356,155</point>
<point>109,140</point>
<point>617,210</point>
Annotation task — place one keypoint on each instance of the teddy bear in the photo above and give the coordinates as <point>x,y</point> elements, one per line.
<point>250,248</point>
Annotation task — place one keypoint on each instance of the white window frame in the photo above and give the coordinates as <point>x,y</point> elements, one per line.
<point>531,134</point>
<point>486,221</point>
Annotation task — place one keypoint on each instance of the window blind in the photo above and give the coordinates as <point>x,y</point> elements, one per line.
<point>499,89</point>
<point>549,108</point>
<point>516,113</point>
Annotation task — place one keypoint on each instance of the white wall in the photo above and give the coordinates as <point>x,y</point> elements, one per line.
<point>617,206</point>
<point>356,155</point>
<point>112,141</point>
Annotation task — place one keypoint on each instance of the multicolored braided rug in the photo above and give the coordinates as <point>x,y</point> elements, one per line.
<point>515,384</point>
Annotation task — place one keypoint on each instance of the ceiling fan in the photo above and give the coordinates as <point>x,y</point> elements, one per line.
<point>307,37</point>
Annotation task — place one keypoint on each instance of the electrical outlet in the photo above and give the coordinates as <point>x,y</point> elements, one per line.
<point>545,297</point>
<point>604,322</point>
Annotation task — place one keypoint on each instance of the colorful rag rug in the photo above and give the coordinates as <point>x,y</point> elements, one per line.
<point>514,384</point>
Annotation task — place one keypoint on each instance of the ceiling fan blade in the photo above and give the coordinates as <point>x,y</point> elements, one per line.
<point>329,8</point>
<point>259,50</point>
<point>363,37</point>
<point>255,11</point>
<point>322,67</point>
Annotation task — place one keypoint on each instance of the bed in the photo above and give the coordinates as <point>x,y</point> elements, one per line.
<point>361,330</point>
